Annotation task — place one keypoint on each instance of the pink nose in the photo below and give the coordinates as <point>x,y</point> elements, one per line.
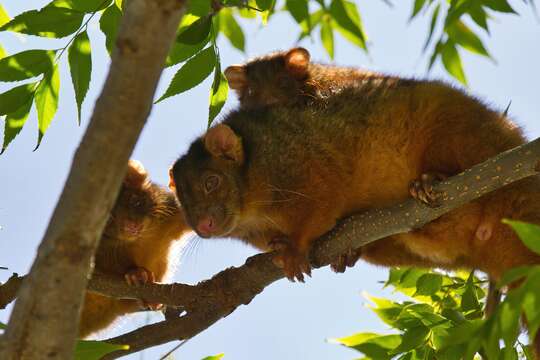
<point>206,226</point>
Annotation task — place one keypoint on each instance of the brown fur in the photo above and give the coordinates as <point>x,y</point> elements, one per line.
<point>143,225</point>
<point>308,166</point>
<point>437,129</point>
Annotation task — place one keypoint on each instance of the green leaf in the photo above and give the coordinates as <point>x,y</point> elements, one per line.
<point>374,346</point>
<point>200,8</point>
<point>4,17</point>
<point>109,24</point>
<point>428,284</point>
<point>181,52</point>
<point>348,21</point>
<point>3,326</point>
<point>15,121</point>
<point>469,300</point>
<point>299,10</point>
<point>192,73</point>
<point>13,99</point>
<point>231,29</point>
<point>3,53</point>
<point>196,32</point>
<point>218,94</point>
<point>26,64</point>
<point>327,36</point>
<point>452,61</point>
<point>479,15</point>
<point>48,22</point>
<point>80,67</point>
<point>418,5</point>
<point>412,339</point>
<point>94,350</point>
<point>214,357</point>
<point>264,4</point>
<point>515,274</point>
<point>528,233</point>
<point>434,20</point>
<point>47,101</point>
<point>86,6</point>
<point>499,5</point>
<point>462,35</point>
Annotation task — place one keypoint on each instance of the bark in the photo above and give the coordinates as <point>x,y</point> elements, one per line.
<point>44,321</point>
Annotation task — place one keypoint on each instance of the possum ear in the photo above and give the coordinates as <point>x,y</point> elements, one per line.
<point>222,141</point>
<point>136,175</point>
<point>236,76</point>
<point>297,62</point>
<point>172,184</point>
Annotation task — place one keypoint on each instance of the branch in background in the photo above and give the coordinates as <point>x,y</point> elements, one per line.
<point>213,299</point>
<point>216,298</point>
<point>44,321</point>
<point>8,290</point>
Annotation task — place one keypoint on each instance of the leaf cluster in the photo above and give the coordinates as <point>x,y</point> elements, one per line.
<point>443,317</point>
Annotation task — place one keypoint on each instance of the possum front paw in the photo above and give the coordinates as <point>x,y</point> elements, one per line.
<point>294,263</point>
<point>140,276</point>
<point>422,189</point>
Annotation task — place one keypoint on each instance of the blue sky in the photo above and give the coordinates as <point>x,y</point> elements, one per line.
<point>287,321</point>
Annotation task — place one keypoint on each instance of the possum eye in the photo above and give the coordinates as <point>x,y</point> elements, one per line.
<point>211,183</point>
<point>135,202</point>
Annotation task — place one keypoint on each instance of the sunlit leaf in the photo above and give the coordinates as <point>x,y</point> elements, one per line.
<point>499,5</point>
<point>109,24</point>
<point>462,35</point>
<point>428,284</point>
<point>327,36</point>
<point>196,32</point>
<point>26,64</point>
<point>80,67</point>
<point>47,101</point>
<point>528,233</point>
<point>218,94</point>
<point>13,99</point>
<point>214,357</point>
<point>3,53</point>
<point>199,8</point>
<point>181,52</point>
<point>192,73</point>
<point>231,29</point>
<point>4,17</point>
<point>418,5</point>
<point>87,6</point>
<point>433,23</point>
<point>412,339</point>
<point>479,16</point>
<point>48,22</point>
<point>14,123</point>
<point>469,300</point>
<point>515,274</point>
<point>299,10</point>
<point>348,21</point>
<point>452,61</point>
<point>374,346</point>
<point>94,350</point>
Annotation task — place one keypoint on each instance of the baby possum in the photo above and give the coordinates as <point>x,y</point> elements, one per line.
<point>288,77</point>
<point>145,222</point>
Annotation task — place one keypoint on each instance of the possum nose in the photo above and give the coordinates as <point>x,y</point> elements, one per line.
<point>206,226</point>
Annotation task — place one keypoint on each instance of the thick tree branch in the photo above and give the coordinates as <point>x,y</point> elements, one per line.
<point>44,322</point>
<point>214,299</point>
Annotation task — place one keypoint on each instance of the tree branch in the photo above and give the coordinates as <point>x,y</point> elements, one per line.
<point>216,298</point>
<point>44,321</point>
